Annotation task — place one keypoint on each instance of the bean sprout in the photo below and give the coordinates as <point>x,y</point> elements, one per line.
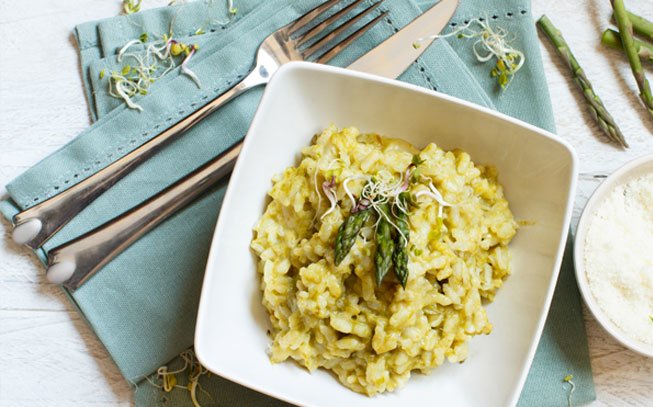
<point>329,190</point>
<point>490,43</point>
<point>433,192</point>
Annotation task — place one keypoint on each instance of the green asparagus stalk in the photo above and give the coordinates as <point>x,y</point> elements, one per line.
<point>400,255</point>
<point>641,26</point>
<point>626,31</point>
<point>612,39</point>
<point>384,244</point>
<point>348,232</point>
<point>594,103</point>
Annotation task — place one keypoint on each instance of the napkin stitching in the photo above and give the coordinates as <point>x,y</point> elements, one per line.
<point>504,14</point>
<point>419,61</point>
<point>108,155</point>
<point>86,44</point>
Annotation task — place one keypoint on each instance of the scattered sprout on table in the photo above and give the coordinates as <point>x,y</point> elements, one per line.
<point>189,51</point>
<point>131,6</point>
<point>230,5</point>
<point>167,380</point>
<point>568,380</point>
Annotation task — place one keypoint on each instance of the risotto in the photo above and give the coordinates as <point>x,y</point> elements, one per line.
<point>342,312</point>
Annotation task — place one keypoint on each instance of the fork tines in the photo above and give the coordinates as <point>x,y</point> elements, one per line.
<point>313,50</point>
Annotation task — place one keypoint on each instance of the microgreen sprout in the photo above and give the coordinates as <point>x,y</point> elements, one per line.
<point>432,192</point>
<point>148,63</point>
<point>345,186</point>
<point>124,88</point>
<point>331,172</point>
<point>385,188</point>
<point>417,160</point>
<point>572,387</point>
<point>402,203</point>
<point>490,43</point>
<point>190,51</point>
<point>131,6</point>
<point>317,191</point>
<point>102,73</point>
<point>194,370</point>
<point>380,190</point>
<point>329,188</point>
<point>232,10</point>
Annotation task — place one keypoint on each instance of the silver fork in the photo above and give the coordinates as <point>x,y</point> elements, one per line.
<point>34,226</point>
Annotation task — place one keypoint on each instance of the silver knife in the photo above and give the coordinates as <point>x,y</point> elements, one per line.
<point>76,261</point>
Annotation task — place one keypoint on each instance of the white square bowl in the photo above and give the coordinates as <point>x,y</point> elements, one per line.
<point>537,170</point>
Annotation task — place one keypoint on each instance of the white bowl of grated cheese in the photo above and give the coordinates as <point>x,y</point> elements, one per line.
<point>613,255</point>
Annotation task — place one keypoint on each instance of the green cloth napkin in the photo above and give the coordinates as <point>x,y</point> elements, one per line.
<point>142,305</point>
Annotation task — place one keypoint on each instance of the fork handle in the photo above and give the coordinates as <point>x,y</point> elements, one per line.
<point>76,261</point>
<point>34,226</point>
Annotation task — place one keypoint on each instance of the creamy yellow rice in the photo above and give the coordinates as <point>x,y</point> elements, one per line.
<point>335,317</point>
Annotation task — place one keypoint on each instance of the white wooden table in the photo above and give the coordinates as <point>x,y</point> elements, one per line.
<point>49,357</point>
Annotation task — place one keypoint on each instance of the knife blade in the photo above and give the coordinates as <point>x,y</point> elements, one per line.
<point>394,55</point>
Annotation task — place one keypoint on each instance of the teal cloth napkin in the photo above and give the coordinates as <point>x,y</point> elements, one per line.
<point>154,285</point>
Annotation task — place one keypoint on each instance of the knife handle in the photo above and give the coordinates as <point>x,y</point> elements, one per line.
<point>74,262</point>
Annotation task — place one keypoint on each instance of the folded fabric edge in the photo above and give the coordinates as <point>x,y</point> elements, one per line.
<point>87,46</point>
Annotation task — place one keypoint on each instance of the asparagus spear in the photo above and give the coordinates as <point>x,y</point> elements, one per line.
<point>641,26</point>
<point>594,103</point>
<point>349,230</point>
<point>384,244</point>
<point>612,39</point>
<point>626,30</point>
<point>400,255</point>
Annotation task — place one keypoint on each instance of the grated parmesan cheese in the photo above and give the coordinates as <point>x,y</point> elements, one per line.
<point>619,257</point>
